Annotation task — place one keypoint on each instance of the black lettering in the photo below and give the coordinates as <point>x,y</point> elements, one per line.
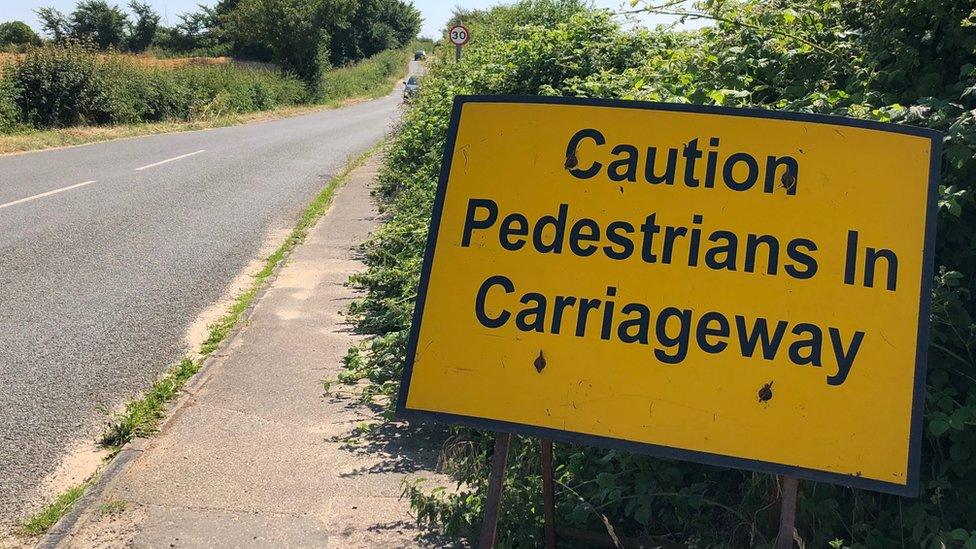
<point>576,235</point>
<point>678,343</point>
<point>641,322</point>
<point>793,249</point>
<point>629,164</point>
<point>759,333</point>
<point>814,344</point>
<point>625,244</point>
<point>559,229</point>
<point>772,252</point>
<point>470,219</point>
<point>729,176</point>
<point>513,225</point>
<point>667,177</point>
<point>704,332</point>
<point>479,302</point>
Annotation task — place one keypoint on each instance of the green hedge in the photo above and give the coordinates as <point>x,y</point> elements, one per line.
<point>863,58</point>
<point>9,115</point>
<point>366,77</point>
<point>70,84</point>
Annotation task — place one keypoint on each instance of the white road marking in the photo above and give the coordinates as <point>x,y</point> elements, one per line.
<point>42,195</point>
<point>170,160</point>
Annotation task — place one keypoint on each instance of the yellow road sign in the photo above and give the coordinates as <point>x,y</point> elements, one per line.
<point>734,287</point>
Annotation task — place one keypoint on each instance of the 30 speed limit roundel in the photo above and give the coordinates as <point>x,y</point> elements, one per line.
<point>459,35</point>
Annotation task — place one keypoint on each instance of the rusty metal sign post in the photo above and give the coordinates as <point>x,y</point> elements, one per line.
<point>787,512</point>
<point>496,482</point>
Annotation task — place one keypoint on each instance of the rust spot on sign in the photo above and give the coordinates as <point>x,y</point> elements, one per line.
<point>788,180</point>
<point>766,392</point>
<point>540,362</point>
<point>571,161</point>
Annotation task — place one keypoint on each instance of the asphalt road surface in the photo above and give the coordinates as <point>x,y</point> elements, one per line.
<point>109,252</point>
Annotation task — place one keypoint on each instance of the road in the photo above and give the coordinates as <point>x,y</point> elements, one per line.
<point>109,252</point>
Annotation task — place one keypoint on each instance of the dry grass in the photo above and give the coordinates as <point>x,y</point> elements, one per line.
<point>82,135</point>
<point>9,58</point>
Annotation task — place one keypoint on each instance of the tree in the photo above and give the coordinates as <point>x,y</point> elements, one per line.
<point>297,34</point>
<point>379,25</point>
<point>144,30</point>
<point>95,20</point>
<point>17,33</point>
<point>54,23</point>
<point>308,36</point>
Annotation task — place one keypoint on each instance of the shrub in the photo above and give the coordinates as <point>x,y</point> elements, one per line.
<point>9,118</point>
<point>800,55</point>
<point>17,33</point>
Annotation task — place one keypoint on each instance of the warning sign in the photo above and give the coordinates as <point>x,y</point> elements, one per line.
<point>734,287</point>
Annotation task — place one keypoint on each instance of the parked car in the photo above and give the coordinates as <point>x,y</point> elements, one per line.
<point>419,55</point>
<point>411,88</point>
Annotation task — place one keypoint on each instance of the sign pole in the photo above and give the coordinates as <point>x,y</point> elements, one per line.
<point>787,514</point>
<point>457,53</point>
<point>495,483</point>
<point>548,493</point>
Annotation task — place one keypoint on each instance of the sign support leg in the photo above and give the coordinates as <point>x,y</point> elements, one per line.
<point>548,493</point>
<point>787,514</point>
<point>457,53</point>
<point>495,484</point>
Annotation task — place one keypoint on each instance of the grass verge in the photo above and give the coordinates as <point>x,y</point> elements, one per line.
<point>47,517</point>
<point>37,140</point>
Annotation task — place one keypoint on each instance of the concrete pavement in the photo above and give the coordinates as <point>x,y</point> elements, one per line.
<point>109,252</point>
<point>259,455</point>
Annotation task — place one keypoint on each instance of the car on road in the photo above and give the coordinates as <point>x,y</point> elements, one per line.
<point>411,88</point>
<point>419,55</point>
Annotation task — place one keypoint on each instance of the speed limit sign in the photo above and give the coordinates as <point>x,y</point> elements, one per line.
<point>459,35</point>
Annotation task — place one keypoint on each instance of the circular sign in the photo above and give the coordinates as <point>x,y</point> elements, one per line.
<point>459,35</point>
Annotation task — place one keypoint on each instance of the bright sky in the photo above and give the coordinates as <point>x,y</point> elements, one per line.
<point>435,12</point>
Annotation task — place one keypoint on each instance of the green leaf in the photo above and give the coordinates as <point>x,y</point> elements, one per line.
<point>958,154</point>
<point>959,534</point>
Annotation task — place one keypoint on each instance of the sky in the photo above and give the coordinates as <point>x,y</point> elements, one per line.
<point>435,12</point>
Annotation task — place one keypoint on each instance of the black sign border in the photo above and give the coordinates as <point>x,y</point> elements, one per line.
<point>909,489</point>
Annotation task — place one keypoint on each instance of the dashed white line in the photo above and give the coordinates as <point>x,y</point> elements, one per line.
<point>42,195</point>
<point>182,156</point>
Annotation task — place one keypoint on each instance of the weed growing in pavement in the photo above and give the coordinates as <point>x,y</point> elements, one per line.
<point>140,417</point>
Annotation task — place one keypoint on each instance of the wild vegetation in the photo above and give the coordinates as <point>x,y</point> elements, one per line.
<point>900,61</point>
<point>71,84</point>
<point>287,52</point>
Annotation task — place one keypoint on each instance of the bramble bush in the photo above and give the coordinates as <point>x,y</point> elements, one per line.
<point>901,61</point>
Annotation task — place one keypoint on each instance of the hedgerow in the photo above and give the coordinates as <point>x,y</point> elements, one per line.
<point>363,77</point>
<point>902,61</point>
<point>67,84</point>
